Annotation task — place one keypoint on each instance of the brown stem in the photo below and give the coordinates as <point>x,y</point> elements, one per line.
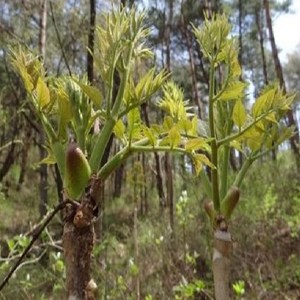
<point>78,242</point>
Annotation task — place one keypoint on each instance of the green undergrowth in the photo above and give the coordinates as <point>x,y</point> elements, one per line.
<point>148,258</point>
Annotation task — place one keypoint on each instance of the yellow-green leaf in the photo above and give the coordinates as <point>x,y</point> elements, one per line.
<point>239,114</point>
<point>42,92</point>
<point>133,119</point>
<point>92,92</point>
<point>195,144</point>
<point>149,133</point>
<point>119,129</point>
<point>64,104</point>
<point>263,103</point>
<point>272,117</point>
<point>233,91</point>
<point>174,137</point>
<point>199,160</point>
<point>168,123</point>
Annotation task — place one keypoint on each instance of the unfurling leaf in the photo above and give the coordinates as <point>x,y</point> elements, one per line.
<point>134,121</point>
<point>150,134</point>
<point>42,92</point>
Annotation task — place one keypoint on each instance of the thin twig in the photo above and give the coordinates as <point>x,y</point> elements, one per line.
<point>59,207</point>
<point>59,39</point>
<point>32,261</point>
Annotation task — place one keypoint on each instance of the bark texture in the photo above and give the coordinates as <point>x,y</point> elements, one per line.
<point>78,242</point>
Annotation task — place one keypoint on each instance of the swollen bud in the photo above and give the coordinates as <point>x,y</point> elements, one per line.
<point>230,201</point>
<point>209,209</point>
<point>77,173</point>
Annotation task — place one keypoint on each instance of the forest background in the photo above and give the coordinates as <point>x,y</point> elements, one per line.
<point>153,234</point>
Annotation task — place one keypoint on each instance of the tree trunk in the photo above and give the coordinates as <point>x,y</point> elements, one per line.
<point>168,159</point>
<point>261,43</point>
<point>43,186</point>
<point>158,175</point>
<point>90,52</point>
<point>294,140</point>
<point>186,34</point>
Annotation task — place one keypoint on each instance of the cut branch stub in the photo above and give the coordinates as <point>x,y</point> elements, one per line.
<point>221,263</point>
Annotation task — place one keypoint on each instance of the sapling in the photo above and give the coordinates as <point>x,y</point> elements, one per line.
<point>253,132</point>
<point>70,105</point>
<point>70,108</point>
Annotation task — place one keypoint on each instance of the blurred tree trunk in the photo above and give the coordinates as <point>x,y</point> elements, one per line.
<point>90,52</point>
<point>240,58</point>
<point>144,194</point>
<point>168,158</point>
<point>261,42</point>
<point>43,187</point>
<point>294,140</point>
<point>187,35</point>
<point>118,178</point>
<point>158,175</point>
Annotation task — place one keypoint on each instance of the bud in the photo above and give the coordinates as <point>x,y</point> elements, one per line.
<point>230,201</point>
<point>77,172</point>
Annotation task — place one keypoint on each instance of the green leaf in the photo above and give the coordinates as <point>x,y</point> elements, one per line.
<point>92,92</point>
<point>11,243</point>
<point>234,90</point>
<point>42,92</point>
<point>239,114</point>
